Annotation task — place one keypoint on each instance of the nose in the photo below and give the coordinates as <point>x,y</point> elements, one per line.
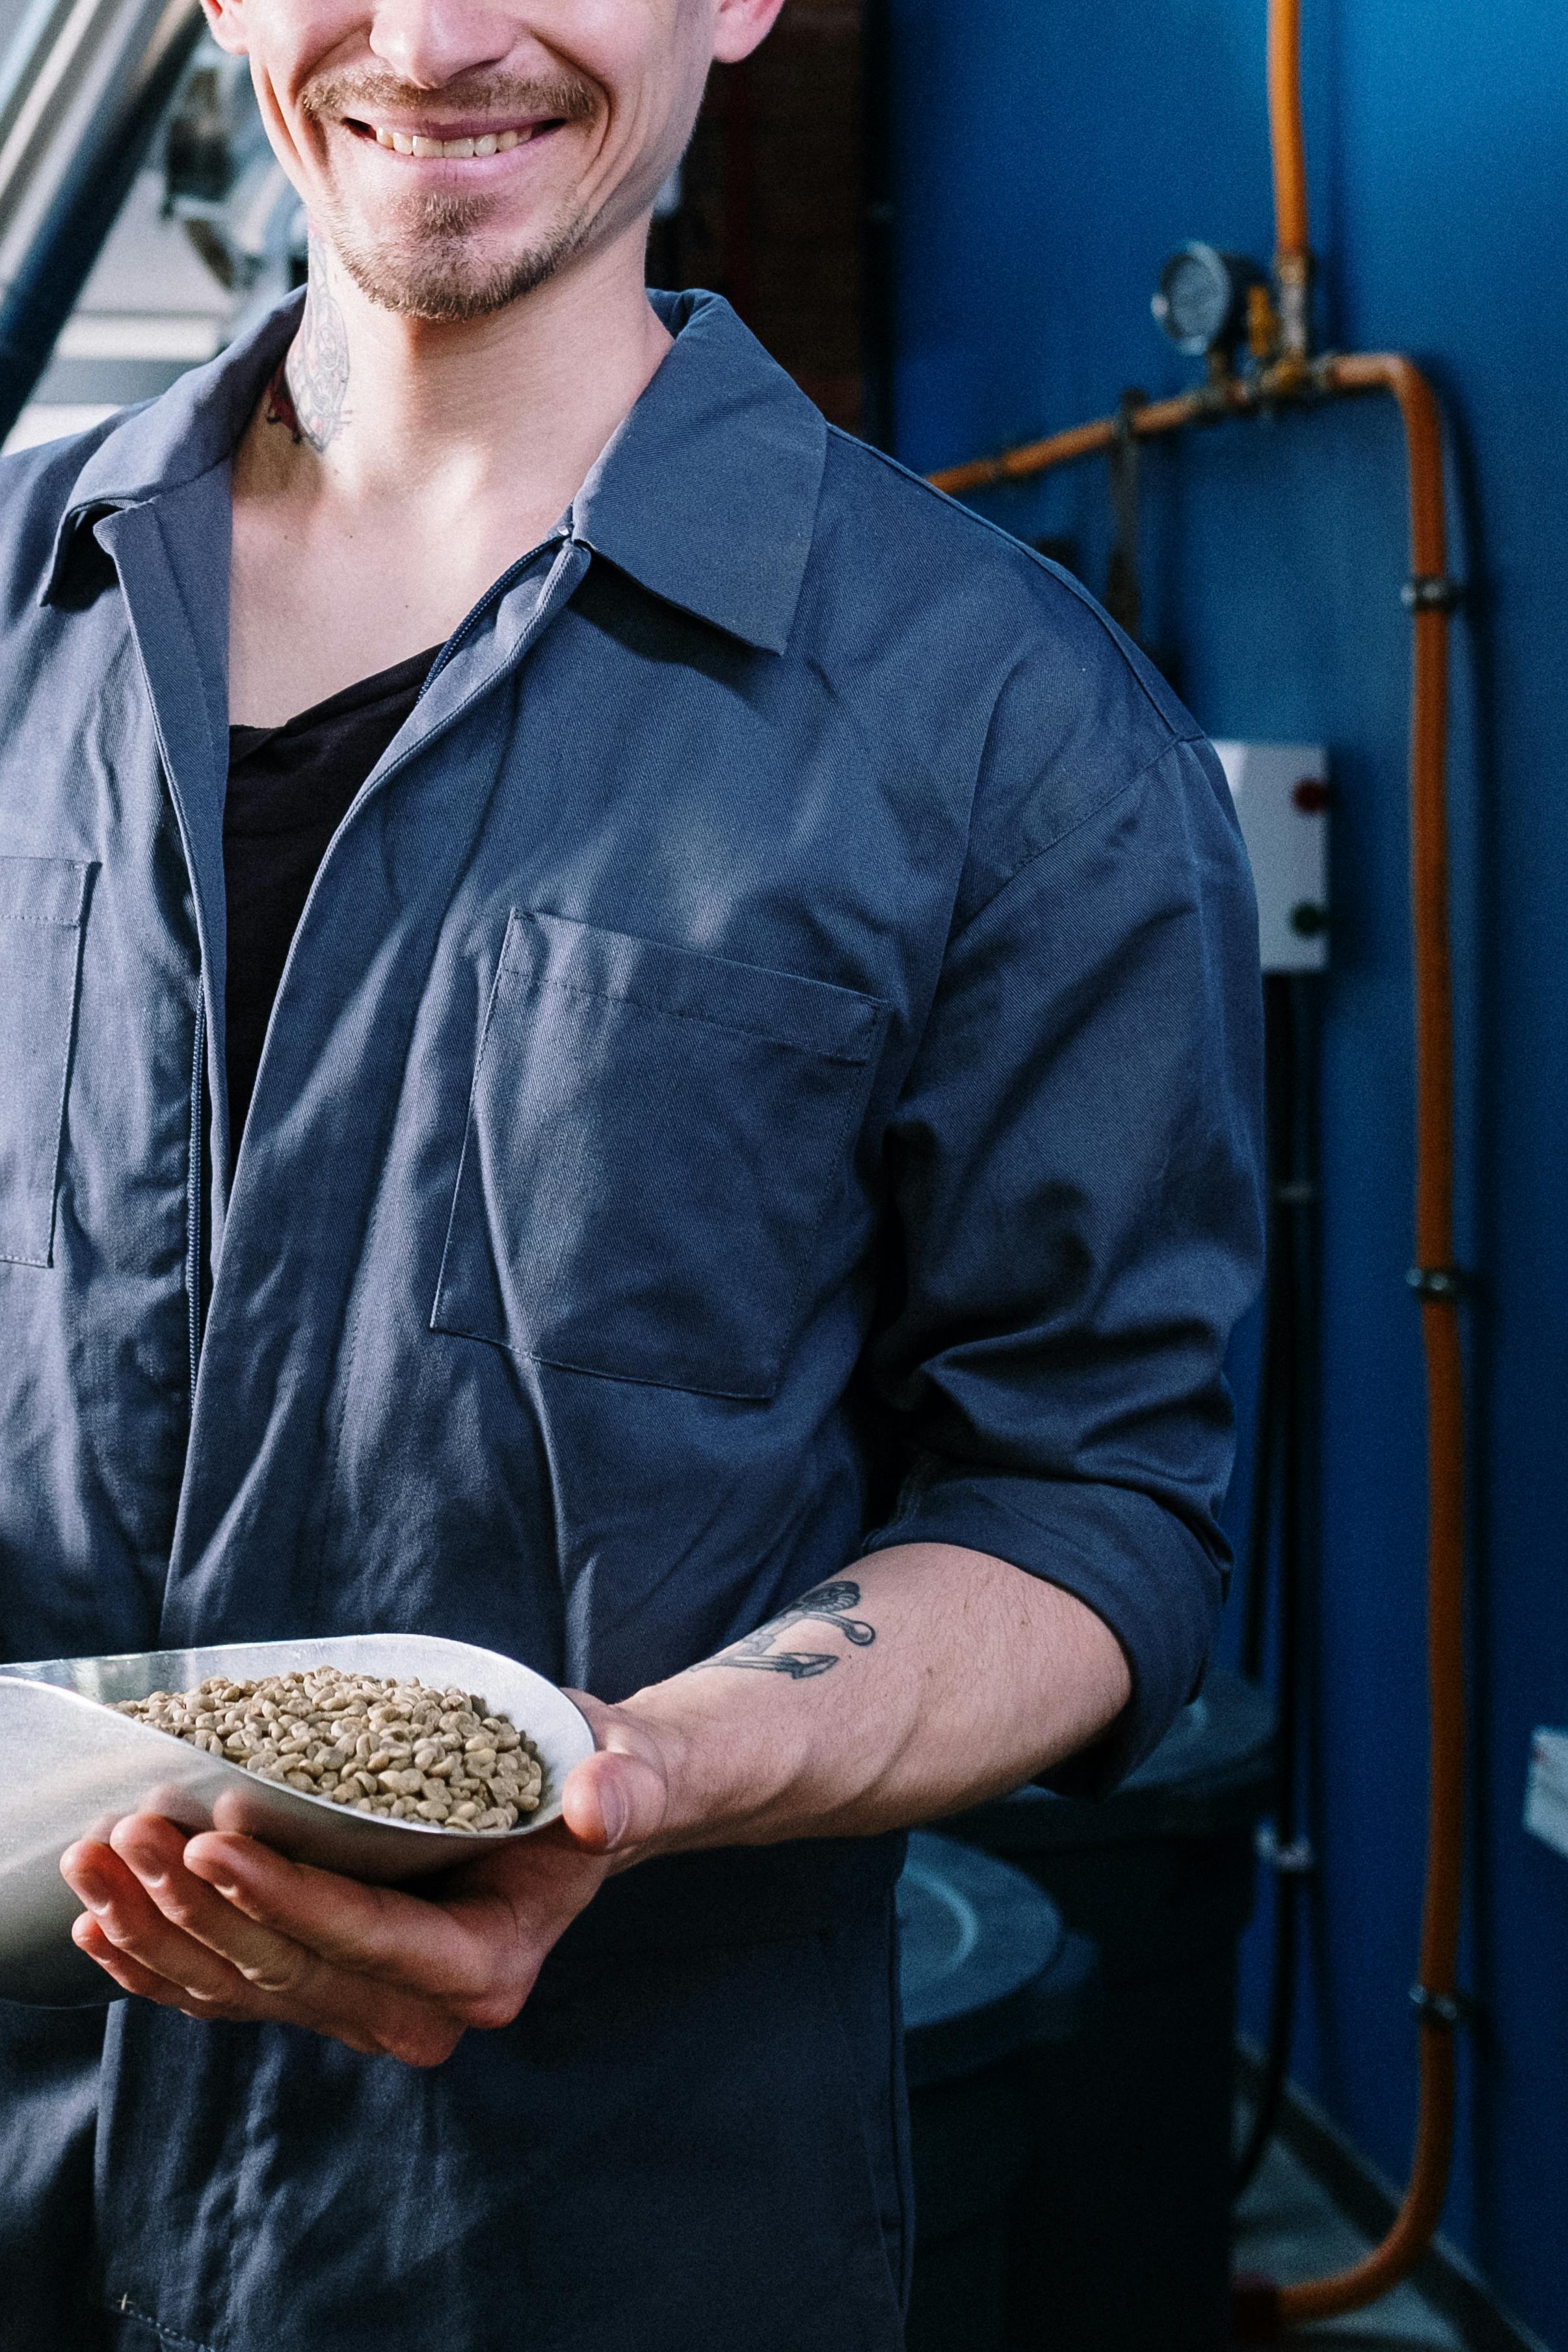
<point>429,43</point>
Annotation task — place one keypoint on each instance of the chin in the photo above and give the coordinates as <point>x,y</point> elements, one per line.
<point>450,261</point>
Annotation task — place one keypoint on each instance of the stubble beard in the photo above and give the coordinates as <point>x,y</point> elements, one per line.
<point>433,266</point>
<point>426,257</point>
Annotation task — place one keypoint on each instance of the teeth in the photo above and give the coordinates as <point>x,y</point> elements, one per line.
<point>493,143</point>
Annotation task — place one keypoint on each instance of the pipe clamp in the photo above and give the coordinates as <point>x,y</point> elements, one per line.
<point>1426,591</point>
<point>1447,2010</point>
<point>1446,1284</point>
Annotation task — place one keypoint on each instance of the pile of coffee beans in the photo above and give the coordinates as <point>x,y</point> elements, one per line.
<point>397,1749</point>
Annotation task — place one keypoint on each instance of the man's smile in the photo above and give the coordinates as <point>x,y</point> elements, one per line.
<point>458,142</point>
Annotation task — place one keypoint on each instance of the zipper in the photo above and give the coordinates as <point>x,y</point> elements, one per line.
<point>492,597</point>
<point>194,1190</point>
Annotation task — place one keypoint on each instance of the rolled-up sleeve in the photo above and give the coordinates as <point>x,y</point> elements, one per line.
<point>1075,1174</point>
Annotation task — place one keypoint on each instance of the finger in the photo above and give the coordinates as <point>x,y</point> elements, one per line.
<point>246,2010</point>
<point>453,1952</point>
<point>204,1944</point>
<point>474,1945</point>
<point>190,1914</point>
<point>129,1922</point>
<point>87,1935</point>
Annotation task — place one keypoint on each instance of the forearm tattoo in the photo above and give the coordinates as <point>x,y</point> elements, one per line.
<point>825,1604</point>
<point>308,393</point>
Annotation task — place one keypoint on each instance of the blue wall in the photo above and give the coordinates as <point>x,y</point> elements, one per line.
<point>1050,154</point>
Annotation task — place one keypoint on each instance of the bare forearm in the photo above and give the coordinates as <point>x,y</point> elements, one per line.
<point>925,1679</point>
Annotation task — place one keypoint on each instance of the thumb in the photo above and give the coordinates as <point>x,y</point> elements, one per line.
<point>614,1800</point>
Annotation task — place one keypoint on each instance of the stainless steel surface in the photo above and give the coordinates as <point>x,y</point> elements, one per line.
<point>71,1768</point>
<point>71,79</point>
<point>94,93</point>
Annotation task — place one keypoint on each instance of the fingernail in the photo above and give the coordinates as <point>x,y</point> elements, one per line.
<point>132,1846</point>
<point>90,1890</point>
<point>227,1884</point>
<point>612,1812</point>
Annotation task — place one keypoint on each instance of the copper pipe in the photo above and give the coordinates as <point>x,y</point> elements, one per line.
<point>1033,457</point>
<point>1263,2314</point>
<point>1080,441</point>
<point>1287,141</point>
<point>1285,134</point>
<point>1416,2222</point>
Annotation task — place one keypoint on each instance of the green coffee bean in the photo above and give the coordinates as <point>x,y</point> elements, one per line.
<point>396,1749</point>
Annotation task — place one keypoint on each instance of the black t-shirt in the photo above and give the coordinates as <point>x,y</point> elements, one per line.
<point>289,790</point>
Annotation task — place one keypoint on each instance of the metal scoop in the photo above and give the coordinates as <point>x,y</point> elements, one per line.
<point>71,1768</point>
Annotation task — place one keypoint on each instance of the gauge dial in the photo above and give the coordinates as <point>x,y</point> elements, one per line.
<point>1202,297</point>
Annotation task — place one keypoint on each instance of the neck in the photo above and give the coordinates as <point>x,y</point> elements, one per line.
<point>510,410</point>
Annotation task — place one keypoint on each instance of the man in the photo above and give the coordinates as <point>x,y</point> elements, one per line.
<point>613,1014</point>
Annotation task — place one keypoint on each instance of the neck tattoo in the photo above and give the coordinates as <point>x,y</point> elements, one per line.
<point>308,389</point>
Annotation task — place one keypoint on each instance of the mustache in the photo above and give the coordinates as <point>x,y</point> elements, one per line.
<point>565,97</point>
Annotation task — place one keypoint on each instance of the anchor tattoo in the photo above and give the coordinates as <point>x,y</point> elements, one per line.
<point>825,1604</point>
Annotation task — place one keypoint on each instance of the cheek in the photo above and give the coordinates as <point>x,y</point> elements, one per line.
<point>283,134</point>
<point>655,87</point>
<point>290,45</point>
<point>652,56</point>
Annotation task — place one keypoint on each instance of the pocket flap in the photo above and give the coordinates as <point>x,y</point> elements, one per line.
<point>812,1015</point>
<point>42,890</point>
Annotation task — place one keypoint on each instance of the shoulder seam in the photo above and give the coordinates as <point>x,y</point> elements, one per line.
<point>1074,588</point>
<point>1084,816</point>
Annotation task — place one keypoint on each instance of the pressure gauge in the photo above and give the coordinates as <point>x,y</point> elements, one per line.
<point>1202,298</point>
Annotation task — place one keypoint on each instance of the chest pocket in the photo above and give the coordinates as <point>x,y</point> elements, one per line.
<point>652,1140</point>
<point>41,904</point>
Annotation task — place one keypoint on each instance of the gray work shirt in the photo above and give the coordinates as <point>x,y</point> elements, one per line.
<point>768,1069</point>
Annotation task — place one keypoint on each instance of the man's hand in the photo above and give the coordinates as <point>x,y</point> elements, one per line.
<point>220,1926</point>
<point>921,1680</point>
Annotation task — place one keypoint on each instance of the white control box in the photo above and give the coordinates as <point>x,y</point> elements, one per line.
<point>1282,795</point>
<point>1546,1790</point>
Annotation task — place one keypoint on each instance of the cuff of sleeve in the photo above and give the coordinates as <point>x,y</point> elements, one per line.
<point>1129,1558</point>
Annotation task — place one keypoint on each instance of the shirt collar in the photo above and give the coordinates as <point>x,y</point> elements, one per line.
<point>706,494</point>
<point>177,437</point>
